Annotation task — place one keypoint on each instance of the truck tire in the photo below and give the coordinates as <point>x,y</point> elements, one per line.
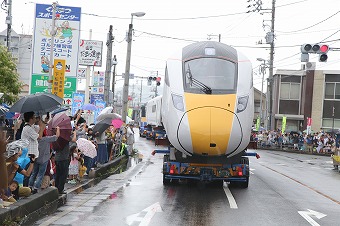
<point>245,160</point>
<point>166,181</point>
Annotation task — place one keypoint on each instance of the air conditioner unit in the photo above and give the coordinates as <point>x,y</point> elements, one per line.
<point>310,66</point>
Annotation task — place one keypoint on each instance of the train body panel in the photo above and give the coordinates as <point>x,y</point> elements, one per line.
<point>207,107</point>
<point>153,111</point>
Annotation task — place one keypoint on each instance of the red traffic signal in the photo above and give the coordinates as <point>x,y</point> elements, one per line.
<point>324,48</point>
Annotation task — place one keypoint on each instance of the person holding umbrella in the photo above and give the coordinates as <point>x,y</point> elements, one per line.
<point>31,132</point>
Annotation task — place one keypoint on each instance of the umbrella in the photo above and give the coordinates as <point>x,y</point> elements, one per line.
<point>38,102</point>
<point>89,107</point>
<point>108,115</point>
<point>58,110</point>
<point>102,125</point>
<point>64,123</point>
<point>16,115</point>
<point>87,147</point>
<point>3,110</point>
<point>128,119</point>
<point>106,110</point>
<point>117,123</point>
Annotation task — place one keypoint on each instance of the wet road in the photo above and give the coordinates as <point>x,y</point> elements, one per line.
<point>284,189</point>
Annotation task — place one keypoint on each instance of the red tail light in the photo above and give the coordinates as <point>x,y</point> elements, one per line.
<point>172,169</point>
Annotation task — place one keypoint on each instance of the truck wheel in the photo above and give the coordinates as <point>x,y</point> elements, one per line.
<point>244,184</point>
<point>166,181</point>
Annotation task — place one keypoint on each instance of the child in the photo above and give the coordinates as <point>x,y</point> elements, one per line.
<point>49,173</point>
<point>82,169</point>
<point>74,167</point>
<point>8,196</point>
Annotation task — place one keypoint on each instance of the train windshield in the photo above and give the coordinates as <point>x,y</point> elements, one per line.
<point>209,75</point>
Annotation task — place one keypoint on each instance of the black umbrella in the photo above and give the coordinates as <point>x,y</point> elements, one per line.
<point>102,125</point>
<point>38,102</point>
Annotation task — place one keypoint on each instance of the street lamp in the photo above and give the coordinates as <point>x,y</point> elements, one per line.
<point>114,63</point>
<point>127,66</point>
<point>262,69</point>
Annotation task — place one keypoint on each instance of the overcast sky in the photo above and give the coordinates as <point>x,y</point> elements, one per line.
<point>170,25</point>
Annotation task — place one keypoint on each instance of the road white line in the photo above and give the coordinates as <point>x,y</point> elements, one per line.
<point>230,196</point>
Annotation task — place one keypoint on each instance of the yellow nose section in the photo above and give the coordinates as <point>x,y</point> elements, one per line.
<point>210,120</point>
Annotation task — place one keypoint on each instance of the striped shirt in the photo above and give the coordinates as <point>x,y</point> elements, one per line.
<point>29,132</point>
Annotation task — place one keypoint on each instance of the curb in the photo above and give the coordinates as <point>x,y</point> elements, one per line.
<point>29,210</point>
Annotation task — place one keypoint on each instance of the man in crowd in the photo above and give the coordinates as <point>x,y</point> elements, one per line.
<point>43,159</point>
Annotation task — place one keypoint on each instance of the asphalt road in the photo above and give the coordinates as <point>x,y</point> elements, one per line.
<point>284,189</point>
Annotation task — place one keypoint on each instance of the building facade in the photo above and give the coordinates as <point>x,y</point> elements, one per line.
<point>302,94</point>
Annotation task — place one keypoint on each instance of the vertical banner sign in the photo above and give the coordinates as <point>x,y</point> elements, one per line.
<point>98,82</point>
<point>90,53</point>
<point>58,77</point>
<point>284,120</point>
<point>258,123</point>
<point>77,102</point>
<point>130,111</point>
<point>100,106</point>
<point>309,125</point>
<point>66,41</point>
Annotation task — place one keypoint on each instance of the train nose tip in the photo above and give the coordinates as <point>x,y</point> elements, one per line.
<point>212,133</point>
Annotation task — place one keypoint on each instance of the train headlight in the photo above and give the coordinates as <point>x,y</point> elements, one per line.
<point>242,103</point>
<point>178,102</point>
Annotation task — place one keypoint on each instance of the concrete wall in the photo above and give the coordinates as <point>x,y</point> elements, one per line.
<point>317,104</point>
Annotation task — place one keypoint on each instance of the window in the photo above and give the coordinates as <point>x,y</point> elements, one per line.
<point>329,90</point>
<point>154,108</point>
<point>290,91</point>
<point>332,91</point>
<point>216,74</point>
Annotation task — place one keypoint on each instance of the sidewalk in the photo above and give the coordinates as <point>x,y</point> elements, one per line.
<point>26,211</point>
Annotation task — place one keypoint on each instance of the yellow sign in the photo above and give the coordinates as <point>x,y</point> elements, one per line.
<point>58,77</point>
<point>284,119</point>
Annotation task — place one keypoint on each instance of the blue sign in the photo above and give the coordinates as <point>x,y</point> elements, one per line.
<point>100,106</point>
<point>95,97</point>
<point>78,100</point>
<point>63,12</point>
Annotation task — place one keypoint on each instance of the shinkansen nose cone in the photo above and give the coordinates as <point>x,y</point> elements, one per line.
<point>210,129</point>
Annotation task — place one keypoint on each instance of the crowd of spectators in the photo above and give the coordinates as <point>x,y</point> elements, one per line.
<point>319,142</point>
<point>30,164</point>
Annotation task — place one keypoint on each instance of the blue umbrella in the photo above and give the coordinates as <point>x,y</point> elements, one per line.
<point>89,107</point>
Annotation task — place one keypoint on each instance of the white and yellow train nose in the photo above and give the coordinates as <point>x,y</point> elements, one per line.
<point>211,120</point>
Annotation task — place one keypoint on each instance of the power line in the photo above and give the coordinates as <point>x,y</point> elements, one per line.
<point>311,25</point>
<point>167,19</point>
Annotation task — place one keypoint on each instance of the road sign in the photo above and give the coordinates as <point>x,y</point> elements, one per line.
<point>90,53</point>
<point>58,77</point>
<point>39,84</point>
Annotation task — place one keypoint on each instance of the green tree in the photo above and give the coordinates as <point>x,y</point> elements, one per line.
<point>10,84</point>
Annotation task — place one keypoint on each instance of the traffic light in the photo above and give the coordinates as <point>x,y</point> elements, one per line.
<point>323,53</point>
<point>317,49</point>
<point>158,81</point>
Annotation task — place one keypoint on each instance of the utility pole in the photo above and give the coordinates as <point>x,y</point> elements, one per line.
<point>87,78</point>
<point>141,91</point>
<point>271,63</point>
<point>53,33</point>
<point>9,24</point>
<point>108,65</point>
